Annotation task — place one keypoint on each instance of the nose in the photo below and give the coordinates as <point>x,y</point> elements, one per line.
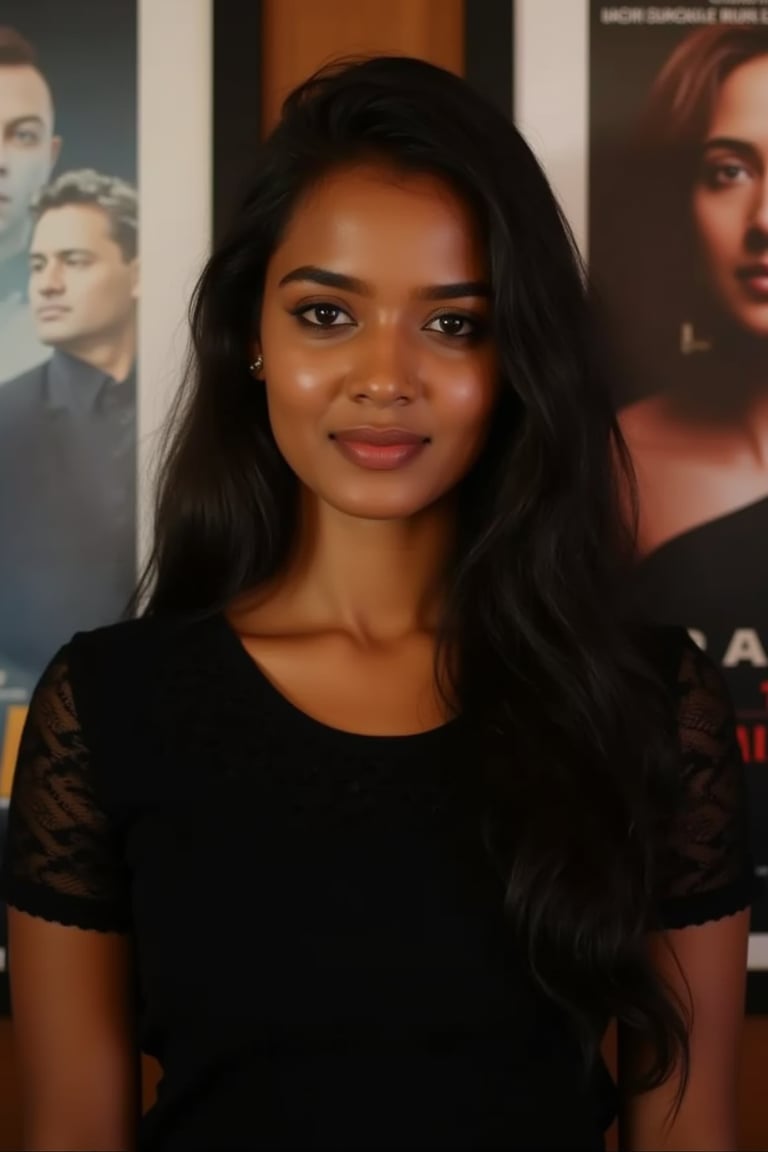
<point>384,374</point>
<point>757,236</point>
<point>48,280</point>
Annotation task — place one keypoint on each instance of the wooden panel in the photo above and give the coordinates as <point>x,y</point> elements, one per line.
<point>752,1103</point>
<point>298,36</point>
<point>10,1105</point>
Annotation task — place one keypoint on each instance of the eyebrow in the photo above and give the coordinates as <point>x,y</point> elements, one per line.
<point>729,144</point>
<point>31,119</point>
<point>62,252</point>
<point>310,273</point>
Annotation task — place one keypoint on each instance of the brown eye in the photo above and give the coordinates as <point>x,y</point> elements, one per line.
<point>726,173</point>
<point>323,316</point>
<point>326,314</point>
<point>453,324</point>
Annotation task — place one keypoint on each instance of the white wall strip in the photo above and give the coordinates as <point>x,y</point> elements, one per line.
<point>175,148</point>
<point>551,97</point>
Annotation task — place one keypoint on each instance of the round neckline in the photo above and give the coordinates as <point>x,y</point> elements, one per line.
<point>297,715</point>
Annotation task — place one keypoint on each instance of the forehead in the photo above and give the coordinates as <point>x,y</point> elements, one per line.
<point>24,92</point>
<point>371,220</point>
<point>81,226</point>
<point>741,107</point>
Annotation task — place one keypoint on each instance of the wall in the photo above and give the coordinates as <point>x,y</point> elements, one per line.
<point>297,36</point>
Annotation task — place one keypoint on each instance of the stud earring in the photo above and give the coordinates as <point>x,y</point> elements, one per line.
<point>257,366</point>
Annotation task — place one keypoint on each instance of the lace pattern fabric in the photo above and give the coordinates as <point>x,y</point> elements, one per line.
<point>707,869</point>
<point>60,845</point>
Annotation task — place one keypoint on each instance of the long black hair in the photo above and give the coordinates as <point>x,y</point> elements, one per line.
<point>544,669</point>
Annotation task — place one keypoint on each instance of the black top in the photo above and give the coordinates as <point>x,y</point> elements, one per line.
<point>322,955</point>
<point>713,579</point>
<point>67,505</point>
<point>712,576</point>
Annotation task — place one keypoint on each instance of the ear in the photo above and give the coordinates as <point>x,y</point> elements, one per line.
<point>55,150</point>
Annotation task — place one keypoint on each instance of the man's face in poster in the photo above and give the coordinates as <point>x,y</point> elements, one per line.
<point>83,288</point>
<point>28,149</point>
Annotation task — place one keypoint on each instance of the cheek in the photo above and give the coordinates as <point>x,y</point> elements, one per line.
<point>97,294</point>
<point>84,295</point>
<point>31,168</point>
<point>469,400</point>
<point>297,390</point>
<point>719,226</point>
<point>297,403</point>
<point>298,374</point>
<point>301,381</point>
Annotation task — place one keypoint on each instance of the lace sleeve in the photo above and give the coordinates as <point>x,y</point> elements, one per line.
<point>707,870</point>
<point>62,858</point>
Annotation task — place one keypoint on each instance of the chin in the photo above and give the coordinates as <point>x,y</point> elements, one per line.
<point>757,331</point>
<point>751,320</point>
<point>378,506</point>
<point>379,510</point>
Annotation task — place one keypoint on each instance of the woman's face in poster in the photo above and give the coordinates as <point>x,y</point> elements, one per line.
<point>730,198</point>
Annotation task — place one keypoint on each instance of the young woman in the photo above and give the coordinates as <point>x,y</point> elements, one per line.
<point>382,811</point>
<point>692,276</point>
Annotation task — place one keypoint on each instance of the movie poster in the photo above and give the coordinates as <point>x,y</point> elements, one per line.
<point>678,250</point>
<point>655,139</point>
<point>69,294</point>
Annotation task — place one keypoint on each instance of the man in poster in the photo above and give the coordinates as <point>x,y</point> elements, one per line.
<point>28,152</point>
<point>68,426</point>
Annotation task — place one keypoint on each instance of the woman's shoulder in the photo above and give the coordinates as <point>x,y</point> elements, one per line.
<point>133,652</point>
<point>125,683</point>
<point>140,635</point>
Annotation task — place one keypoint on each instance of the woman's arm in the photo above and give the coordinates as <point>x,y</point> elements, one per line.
<point>74,1035</point>
<point>706,967</point>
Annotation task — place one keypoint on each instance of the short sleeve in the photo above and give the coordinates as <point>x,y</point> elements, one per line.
<point>62,859</point>
<point>706,867</point>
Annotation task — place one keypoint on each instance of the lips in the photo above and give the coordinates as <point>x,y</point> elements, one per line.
<point>51,312</point>
<point>755,279</point>
<point>383,436</point>
<point>379,449</point>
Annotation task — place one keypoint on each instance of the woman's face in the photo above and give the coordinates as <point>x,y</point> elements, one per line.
<point>730,201</point>
<point>379,363</point>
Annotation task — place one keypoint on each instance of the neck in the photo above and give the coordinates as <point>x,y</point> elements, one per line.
<point>729,394</point>
<point>14,241</point>
<point>113,353</point>
<point>375,580</point>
